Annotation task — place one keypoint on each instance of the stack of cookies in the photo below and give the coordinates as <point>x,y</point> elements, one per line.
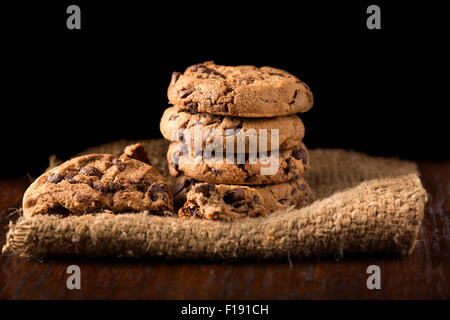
<point>236,141</point>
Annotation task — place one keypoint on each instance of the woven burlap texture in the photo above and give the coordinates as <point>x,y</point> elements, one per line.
<point>360,204</point>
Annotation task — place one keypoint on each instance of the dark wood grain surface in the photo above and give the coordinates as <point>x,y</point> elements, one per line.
<point>423,275</point>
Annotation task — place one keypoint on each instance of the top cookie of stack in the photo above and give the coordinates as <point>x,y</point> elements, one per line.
<point>241,91</point>
<point>242,98</point>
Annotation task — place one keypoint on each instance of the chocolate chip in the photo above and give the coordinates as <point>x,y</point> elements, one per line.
<point>228,90</point>
<point>276,74</point>
<point>205,69</point>
<point>175,77</point>
<point>219,74</point>
<point>251,179</point>
<point>156,189</point>
<point>293,98</point>
<point>300,154</point>
<point>222,108</point>
<point>207,156</point>
<point>192,107</point>
<point>54,178</point>
<point>69,177</point>
<point>194,68</point>
<point>215,171</point>
<point>282,201</point>
<point>294,191</point>
<point>289,167</point>
<point>91,171</point>
<point>141,185</point>
<point>256,199</point>
<point>186,92</point>
<point>114,187</point>
<point>29,203</point>
<point>302,187</point>
<point>205,188</point>
<point>179,187</point>
<point>120,165</point>
<point>173,117</point>
<point>98,185</point>
<point>292,168</point>
<point>175,167</point>
<point>236,195</point>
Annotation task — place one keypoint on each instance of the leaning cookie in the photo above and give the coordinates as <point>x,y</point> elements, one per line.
<point>288,165</point>
<point>240,91</point>
<point>229,202</point>
<point>216,130</point>
<point>98,182</point>
<point>273,197</point>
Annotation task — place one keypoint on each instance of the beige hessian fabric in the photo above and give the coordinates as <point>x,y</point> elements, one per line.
<point>360,204</point>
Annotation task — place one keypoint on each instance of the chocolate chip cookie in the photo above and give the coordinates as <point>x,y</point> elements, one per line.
<point>225,202</point>
<point>273,197</point>
<point>98,182</point>
<point>229,202</point>
<point>174,124</point>
<point>291,164</point>
<point>240,91</point>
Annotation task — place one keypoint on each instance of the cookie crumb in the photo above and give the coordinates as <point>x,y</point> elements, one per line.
<point>137,152</point>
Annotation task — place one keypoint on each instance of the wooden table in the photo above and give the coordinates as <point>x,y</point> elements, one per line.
<point>423,275</point>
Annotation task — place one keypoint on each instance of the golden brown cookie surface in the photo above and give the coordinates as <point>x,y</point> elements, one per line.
<point>97,182</point>
<point>240,91</point>
<point>224,202</point>
<point>230,202</point>
<point>288,165</point>
<point>175,124</point>
<point>273,197</point>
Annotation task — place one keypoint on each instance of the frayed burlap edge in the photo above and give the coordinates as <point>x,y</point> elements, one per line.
<point>361,204</point>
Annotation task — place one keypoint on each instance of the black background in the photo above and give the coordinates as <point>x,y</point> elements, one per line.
<point>64,90</point>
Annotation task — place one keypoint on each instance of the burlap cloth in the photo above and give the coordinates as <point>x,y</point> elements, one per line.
<point>360,204</point>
